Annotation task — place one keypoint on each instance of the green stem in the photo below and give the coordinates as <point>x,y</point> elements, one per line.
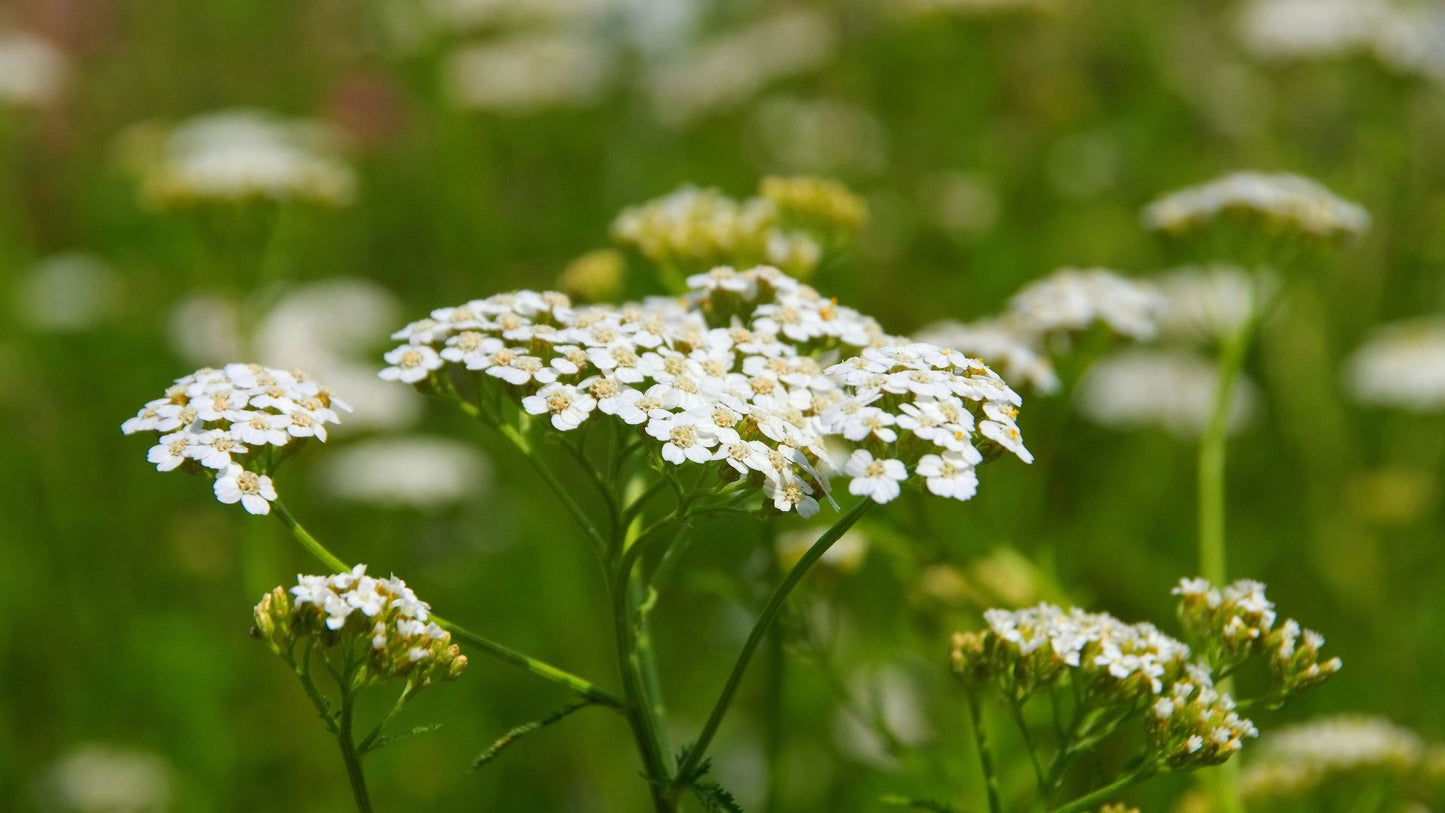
<point>985,752</point>
<point>517,439</point>
<point>1103,794</point>
<point>637,667</point>
<point>371,740</point>
<point>1212,447</point>
<point>505,654</point>
<point>350,756</point>
<point>770,611</point>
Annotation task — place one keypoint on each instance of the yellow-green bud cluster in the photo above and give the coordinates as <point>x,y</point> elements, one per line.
<point>376,628</point>
<point>790,226</point>
<point>1195,726</point>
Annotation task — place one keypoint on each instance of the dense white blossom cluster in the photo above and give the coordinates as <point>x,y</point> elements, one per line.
<point>1297,758</point>
<point>1401,365</point>
<point>1282,201</point>
<point>1195,725</point>
<point>401,639</point>
<point>243,155</point>
<point>1172,389</point>
<point>1407,38</point>
<point>236,424</point>
<point>735,374</point>
<point>32,71</point>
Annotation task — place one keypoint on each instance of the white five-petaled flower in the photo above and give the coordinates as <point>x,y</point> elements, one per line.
<point>254,491</point>
<point>948,475</point>
<point>411,363</point>
<point>567,405</point>
<point>878,480</point>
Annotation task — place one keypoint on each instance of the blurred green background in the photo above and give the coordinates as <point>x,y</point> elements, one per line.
<point>992,147</point>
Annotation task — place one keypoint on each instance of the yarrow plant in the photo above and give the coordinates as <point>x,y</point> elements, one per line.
<point>366,632</point>
<point>1098,675</point>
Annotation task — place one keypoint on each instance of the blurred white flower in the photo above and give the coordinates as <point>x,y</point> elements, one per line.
<point>421,472</point>
<point>242,155</point>
<point>1072,299</point>
<point>1175,390</point>
<point>466,14</point>
<point>32,71</point>
<point>100,778</point>
<point>820,136</point>
<point>732,67</point>
<point>1403,37</point>
<point>67,292</point>
<point>206,329</point>
<point>1401,365</point>
<point>1281,199</point>
<point>1211,303</point>
<point>526,73</point>
<point>1296,758</point>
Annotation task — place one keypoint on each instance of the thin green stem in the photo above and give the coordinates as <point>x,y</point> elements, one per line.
<point>985,752</point>
<point>373,739</point>
<point>770,611</point>
<point>505,654</point>
<point>1040,777</point>
<point>350,756</point>
<point>1091,800</point>
<point>1212,452</point>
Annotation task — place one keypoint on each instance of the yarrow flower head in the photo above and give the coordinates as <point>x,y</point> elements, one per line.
<point>1235,623</point>
<point>1296,759</point>
<point>1075,299</point>
<point>1171,389</point>
<point>241,155</point>
<point>352,612</point>
<point>1002,344</point>
<point>236,424</point>
<point>1117,670</point>
<point>735,375</point>
<point>1277,203</point>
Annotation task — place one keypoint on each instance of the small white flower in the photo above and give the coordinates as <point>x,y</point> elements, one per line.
<point>948,475</point>
<point>792,494</point>
<point>411,363</point>
<point>878,480</point>
<point>254,491</point>
<point>173,450</point>
<point>567,405</point>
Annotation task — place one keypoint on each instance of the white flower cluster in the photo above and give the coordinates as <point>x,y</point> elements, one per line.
<point>730,68</point>
<point>1401,365</point>
<point>1138,658</point>
<point>702,227</point>
<point>733,374</point>
<point>1196,725</point>
<point>1295,759</point>
<point>395,623</point>
<point>1172,389</point>
<point>243,155</point>
<point>1281,200</point>
<point>1073,299</point>
<point>233,423</point>
<point>32,70</point>
<point>1403,37</point>
<point>526,73</point>
<point>1236,622</point>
